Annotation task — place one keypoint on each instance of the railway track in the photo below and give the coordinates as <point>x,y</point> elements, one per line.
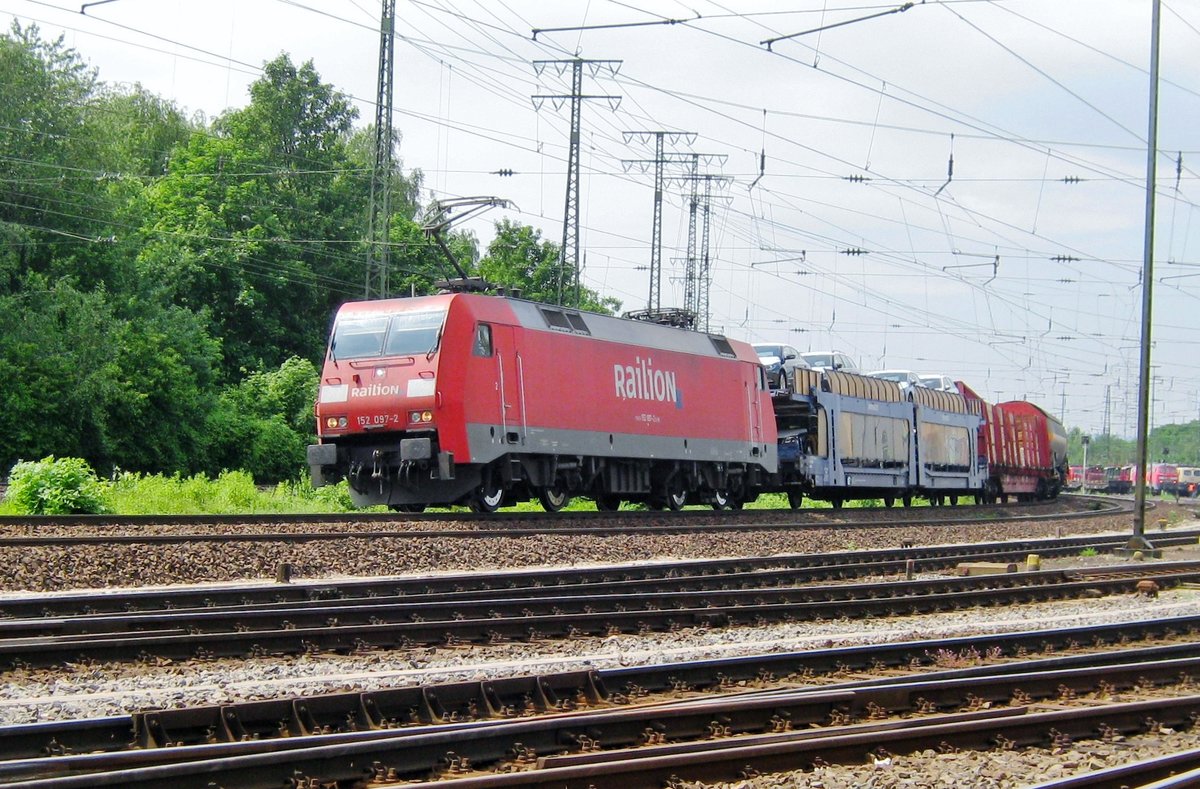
<point>703,574</point>
<point>596,608</point>
<point>604,737</point>
<point>124,530</point>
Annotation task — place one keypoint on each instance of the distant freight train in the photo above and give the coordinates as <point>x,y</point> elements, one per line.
<point>486,400</point>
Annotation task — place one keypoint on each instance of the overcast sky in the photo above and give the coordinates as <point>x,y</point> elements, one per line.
<point>1019,274</point>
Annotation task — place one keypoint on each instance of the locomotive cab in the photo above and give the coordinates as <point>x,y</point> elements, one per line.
<point>377,406</point>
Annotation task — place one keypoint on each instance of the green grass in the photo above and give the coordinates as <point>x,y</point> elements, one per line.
<point>234,492</point>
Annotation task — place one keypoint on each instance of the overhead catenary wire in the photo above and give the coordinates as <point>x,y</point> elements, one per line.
<point>895,190</point>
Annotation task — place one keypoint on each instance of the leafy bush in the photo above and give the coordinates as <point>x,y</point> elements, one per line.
<point>55,486</point>
<point>263,423</point>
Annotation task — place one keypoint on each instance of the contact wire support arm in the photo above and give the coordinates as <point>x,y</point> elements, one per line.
<point>899,10</point>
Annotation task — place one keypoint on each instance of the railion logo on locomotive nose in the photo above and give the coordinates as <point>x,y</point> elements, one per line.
<point>641,381</point>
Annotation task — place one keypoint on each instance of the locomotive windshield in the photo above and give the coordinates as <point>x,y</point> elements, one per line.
<point>403,334</point>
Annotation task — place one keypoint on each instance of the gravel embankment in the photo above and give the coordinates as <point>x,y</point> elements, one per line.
<point>994,769</point>
<point>111,689</point>
<point>97,690</point>
<point>57,568</point>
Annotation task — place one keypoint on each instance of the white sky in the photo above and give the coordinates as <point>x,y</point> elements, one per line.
<point>1033,92</point>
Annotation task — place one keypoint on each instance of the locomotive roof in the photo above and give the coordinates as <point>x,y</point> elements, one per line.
<point>566,320</point>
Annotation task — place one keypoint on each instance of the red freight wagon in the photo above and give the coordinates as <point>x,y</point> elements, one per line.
<point>484,400</point>
<point>1025,447</point>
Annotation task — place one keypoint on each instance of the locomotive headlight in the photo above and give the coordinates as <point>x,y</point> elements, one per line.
<point>334,422</point>
<point>426,416</point>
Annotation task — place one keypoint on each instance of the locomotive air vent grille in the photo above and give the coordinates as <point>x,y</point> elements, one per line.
<point>565,321</point>
<point>722,345</point>
<point>576,321</point>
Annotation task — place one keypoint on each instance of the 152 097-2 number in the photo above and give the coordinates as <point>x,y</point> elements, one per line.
<point>378,420</point>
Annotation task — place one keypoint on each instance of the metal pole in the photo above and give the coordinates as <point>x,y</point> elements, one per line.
<point>379,210</point>
<point>1085,463</point>
<point>1138,540</point>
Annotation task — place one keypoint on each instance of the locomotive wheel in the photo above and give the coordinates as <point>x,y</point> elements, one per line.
<point>553,498</point>
<point>837,502</point>
<point>888,501</point>
<point>953,500</point>
<point>721,500</point>
<point>795,499</point>
<point>906,499</point>
<point>608,502</point>
<point>488,497</point>
<point>676,499</point>
<point>409,508</point>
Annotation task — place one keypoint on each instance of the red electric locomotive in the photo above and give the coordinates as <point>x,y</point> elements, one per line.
<point>486,400</point>
<point>1025,447</point>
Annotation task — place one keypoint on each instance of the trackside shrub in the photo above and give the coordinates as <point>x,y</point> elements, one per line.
<point>54,486</point>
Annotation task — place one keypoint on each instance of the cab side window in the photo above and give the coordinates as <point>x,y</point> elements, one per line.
<point>483,340</point>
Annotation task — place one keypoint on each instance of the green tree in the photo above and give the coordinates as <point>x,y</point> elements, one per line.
<point>48,193</point>
<point>519,257</point>
<point>136,131</point>
<point>257,222</point>
<point>1178,444</point>
<point>117,385</point>
<point>264,423</point>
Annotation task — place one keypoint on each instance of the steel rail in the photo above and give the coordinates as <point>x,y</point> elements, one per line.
<point>730,764</point>
<point>345,712</point>
<point>825,566</point>
<point>517,523</point>
<point>659,594</point>
<point>563,617</point>
<point>97,764</point>
<point>401,754</point>
<point>1173,771</point>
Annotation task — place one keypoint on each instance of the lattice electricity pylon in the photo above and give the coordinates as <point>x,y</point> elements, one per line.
<point>654,302</point>
<point>691,274</point>
<point>380,204</point>
<point>569,255</point>
<point>704,284</point>
<point>697,271</point>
